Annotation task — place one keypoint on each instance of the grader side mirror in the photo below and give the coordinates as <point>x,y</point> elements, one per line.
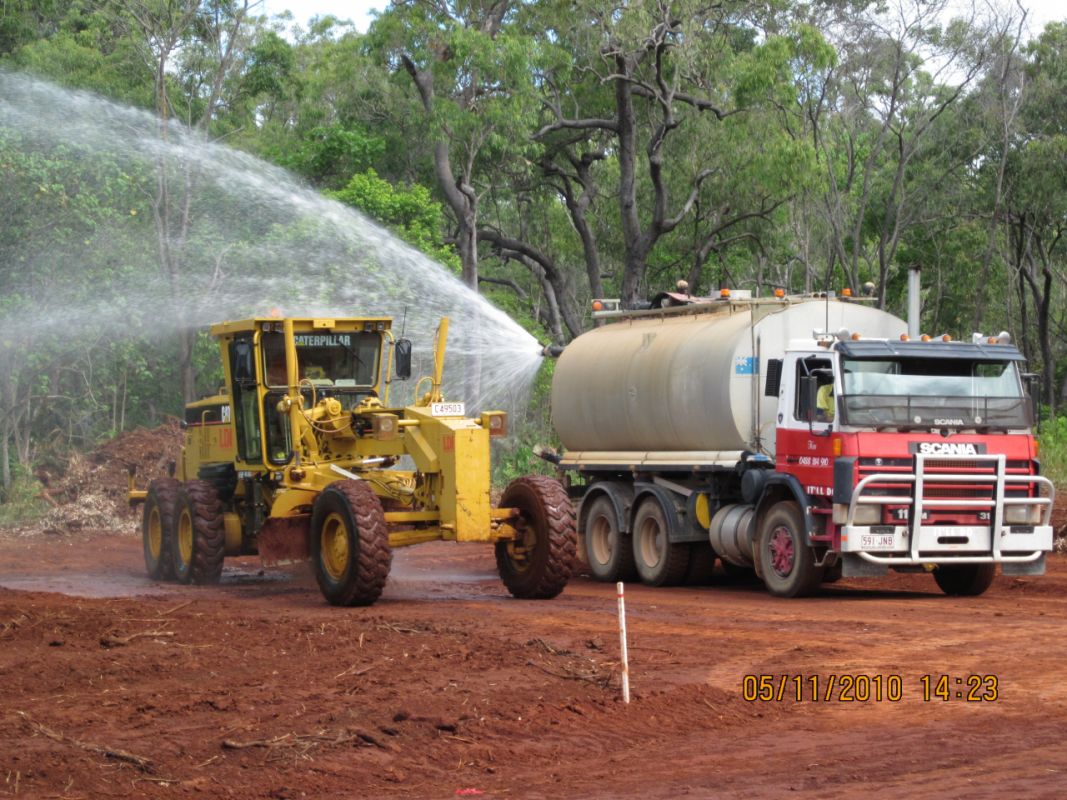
<point>402,357</point>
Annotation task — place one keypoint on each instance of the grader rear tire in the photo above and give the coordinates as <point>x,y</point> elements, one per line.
<point>539,563</point>
<point>350,544</point>
<point>198,545</point>
<point>157,527</point>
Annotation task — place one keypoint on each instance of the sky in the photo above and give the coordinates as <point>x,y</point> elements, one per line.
<point>303,10</point>
<point>1040,11</point>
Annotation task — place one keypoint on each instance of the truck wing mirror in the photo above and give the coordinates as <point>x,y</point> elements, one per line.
<point>402,358</point>
<point>1032,382</point>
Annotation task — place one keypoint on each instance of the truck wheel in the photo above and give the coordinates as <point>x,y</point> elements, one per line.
<point>157,527</point>
<point>350,544</point>
<point>965,580</point>
<point>539,563</point>
<point>608,550</point>
<point>659,561</point>
<point>788,563</point>
<point>198,545</point>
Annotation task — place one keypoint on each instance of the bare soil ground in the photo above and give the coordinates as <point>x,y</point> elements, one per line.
<point>112,685</point>
<point>116,686</point>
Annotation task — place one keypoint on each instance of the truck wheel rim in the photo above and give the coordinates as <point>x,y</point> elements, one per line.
<point>600,540</point>
<point>783,554</point>
<point>185,536</point>
<point>334,546</point>
<point>651,540</point>
<point>155,534</point>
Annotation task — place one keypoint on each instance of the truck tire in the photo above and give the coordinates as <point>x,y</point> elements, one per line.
<point>608,551</point>
<point>538,565</point>
<point>659,561</point>
<point>965,580</point>
<point>157,527</point>
<point>350,544</point>
<point>788,563</point>
<point>199,542</point>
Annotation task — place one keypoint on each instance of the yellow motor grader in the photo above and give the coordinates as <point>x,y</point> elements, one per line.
<point>299,457</point>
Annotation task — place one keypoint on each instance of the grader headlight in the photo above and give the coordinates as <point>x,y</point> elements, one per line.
<point>385,426</point>
<point>496,422</point>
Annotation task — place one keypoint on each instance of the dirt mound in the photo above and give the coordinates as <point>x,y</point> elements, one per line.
<point>90,492</point>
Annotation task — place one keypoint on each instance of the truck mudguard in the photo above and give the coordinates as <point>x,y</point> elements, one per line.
<point>777,485</point>
<point>677,529</point>
<point>621,496</point>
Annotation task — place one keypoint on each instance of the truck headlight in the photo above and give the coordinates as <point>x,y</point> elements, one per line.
<point>867,514</point>
<point>1022,514</point>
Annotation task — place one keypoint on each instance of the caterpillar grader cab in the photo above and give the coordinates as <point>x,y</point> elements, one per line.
<point>301,457</point>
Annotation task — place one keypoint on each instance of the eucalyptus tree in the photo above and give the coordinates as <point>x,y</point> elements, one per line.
<point>899,70</point>
<point>470,70</point>
<point>661,92</point>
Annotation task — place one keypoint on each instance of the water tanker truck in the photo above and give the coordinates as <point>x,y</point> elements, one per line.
<point>804,438</point>
<point>298,457</point>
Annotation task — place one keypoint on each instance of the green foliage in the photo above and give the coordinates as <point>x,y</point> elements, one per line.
<point>330,155</point>
<point>21,503</point>
<point>409,211</point>
<point>515,457</point>
<point>1053,452</point>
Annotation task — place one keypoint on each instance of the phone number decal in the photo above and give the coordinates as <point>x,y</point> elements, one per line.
<point>863,688</point>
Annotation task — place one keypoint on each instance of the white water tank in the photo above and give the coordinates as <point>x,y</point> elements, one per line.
<point>690,379</point>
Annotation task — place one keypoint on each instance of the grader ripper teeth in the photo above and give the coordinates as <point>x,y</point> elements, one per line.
<point>295,459</point>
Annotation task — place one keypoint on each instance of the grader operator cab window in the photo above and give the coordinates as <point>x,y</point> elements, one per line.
<point>345,361</point>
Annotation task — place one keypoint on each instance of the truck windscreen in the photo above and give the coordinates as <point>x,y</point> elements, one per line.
<point>933,393</point>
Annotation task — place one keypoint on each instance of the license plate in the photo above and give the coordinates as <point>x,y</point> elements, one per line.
<point>448,410</point>
<point>877,541</point>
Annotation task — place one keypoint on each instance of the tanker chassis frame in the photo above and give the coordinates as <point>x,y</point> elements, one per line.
<point>913,482</point>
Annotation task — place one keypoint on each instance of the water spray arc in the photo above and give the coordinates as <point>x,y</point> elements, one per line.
<point>260,239</point>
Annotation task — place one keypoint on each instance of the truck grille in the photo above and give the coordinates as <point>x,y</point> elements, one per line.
<point>942,491</point>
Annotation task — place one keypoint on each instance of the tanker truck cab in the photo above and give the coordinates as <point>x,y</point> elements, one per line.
<point>928,461</point>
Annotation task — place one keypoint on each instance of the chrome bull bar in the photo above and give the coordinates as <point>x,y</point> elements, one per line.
<point>915,529</point>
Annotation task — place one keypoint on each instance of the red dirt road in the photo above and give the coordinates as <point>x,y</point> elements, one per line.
<point>121,687</point>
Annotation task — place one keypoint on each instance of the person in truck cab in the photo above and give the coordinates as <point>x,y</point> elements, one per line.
<point>825,404</point>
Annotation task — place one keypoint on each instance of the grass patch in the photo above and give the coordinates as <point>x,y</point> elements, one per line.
<point>1053,450</point>
<point>21,504</point>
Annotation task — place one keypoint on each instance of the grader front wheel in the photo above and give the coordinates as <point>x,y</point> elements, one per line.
<point>538,564</point>
<point>350,544</point>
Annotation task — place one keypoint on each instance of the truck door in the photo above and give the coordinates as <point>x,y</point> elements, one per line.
<point>804,446</point>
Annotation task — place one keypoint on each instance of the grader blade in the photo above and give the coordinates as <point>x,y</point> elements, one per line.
<point>284,540</point>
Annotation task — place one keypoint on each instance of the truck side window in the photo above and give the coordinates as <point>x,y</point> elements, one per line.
<point>823,370</point>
